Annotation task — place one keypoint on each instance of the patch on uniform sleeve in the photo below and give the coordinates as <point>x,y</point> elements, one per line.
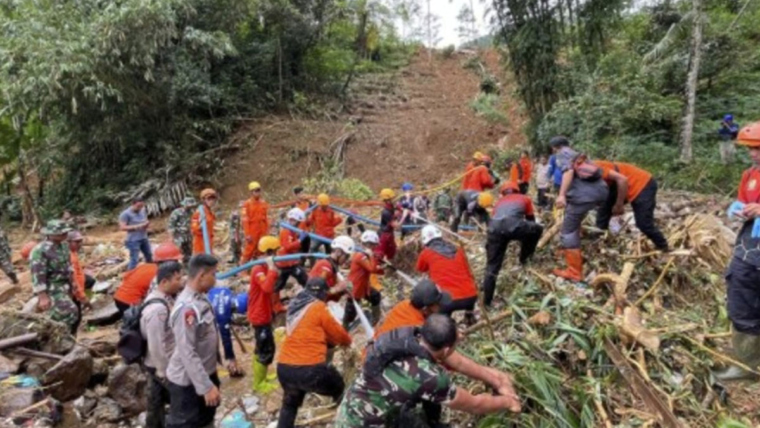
<point>190,317</point>
<point>752,185</point>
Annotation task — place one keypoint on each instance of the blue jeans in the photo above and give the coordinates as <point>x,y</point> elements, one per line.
<point>135,247</point>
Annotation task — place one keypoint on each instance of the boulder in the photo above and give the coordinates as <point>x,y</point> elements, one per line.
<point>68,379</point>
<point>100,371</point>
<point>107,314</point>
<point>8,366</point>
<point>85,404</point>
<point>127,385</point>
<point>107,410</point>
<point>7,291</point>
<point>16,399</point>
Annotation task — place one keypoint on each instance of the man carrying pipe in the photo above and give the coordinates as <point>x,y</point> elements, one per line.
<point>262,301</point>
<point>364,264</point>
<point>202,223</point>
<point>290,243</point>
<point>328,269</point>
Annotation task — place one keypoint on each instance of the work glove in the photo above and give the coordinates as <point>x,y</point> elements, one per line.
<point>756,228</point>
<point>735,209</point>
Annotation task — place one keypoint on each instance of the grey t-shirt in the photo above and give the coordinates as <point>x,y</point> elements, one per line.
<point>131,218</point>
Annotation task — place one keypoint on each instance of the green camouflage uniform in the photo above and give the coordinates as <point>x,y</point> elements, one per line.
<point>179,228</point>
<point>50,265</point>
<point>235,235</point>
<point>5,257</point>
<point>378,402</point>
<point>443,205</point>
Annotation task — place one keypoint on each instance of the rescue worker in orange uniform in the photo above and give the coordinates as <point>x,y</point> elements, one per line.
<point>628,183</point>
<point>364,264</point>
<point>426,299</point>
<point>290,243</point>
<point>323,220</point>
<point>260,312</point>
<point>448,268</point>
<point>477,179</point>
<point>526,165</point>
<point>327,269</point>
<point>302,365</point>
<point>136,283</point>
<point>513,219</point>
<point>81,280</point>
<point>205,212</point>
<point>582,190</point>
<point>743,275</point>
<point>389,221</point>
<point>255,222</point>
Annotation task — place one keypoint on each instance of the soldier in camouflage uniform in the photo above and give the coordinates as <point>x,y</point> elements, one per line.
<point>5,258</point>
<point>403,370</point>
<point>236,235</point>
<point>52,280</point>
<point>179,227</point>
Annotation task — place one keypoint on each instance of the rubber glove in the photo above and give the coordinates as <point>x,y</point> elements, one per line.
<point>756,228</point>
<point>735,208</point>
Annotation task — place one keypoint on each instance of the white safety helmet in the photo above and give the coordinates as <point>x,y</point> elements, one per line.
<point>344,243</point>
<point>370,237</point>
<point>429,233</point>
<point>296,214</point>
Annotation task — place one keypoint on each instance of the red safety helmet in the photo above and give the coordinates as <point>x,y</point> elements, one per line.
<point>507,186</point>
<point>749,135</point>
<point>26,250</point>
<point>166,252</point>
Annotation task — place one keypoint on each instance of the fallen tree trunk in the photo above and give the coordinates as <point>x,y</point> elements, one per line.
<point>18,340</point>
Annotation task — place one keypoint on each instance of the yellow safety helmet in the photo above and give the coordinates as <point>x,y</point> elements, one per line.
<point>478,156</point>
<point>485,199</point>
<point>387,194</point>
<point>268,243</point>
<point>323,199</point>
<point>254,185</point>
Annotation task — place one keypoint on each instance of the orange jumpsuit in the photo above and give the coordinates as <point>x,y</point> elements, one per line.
<point>197,230</point>
<point>79,278</point>
<point>324,220</point>
<point>253,217</point>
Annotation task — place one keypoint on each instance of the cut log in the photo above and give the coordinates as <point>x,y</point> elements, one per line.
<point>18,340</point>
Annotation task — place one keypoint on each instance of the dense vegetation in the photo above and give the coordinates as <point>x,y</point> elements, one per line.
<point>99,96</point>
<point>614,78</point>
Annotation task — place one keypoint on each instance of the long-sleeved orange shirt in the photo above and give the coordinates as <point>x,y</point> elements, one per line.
<point>136,283</point>
<point>197,230</point>
<point>289,244</point>
<point>259,309</point>
<point>253,217</point>
<point>307,344</point>
<point>478,178</point>
<point>324,269</point>
<point>527,169</point>
<point>79,277</point>
<point>637,177</point>
<point>324,220</point>
<point>402,315</point>
<point>362,266</point>
<point>452,274</point>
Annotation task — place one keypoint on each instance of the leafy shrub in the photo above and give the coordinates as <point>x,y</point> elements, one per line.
<point>488,106</point>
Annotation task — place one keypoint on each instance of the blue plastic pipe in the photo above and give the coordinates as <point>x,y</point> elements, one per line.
<point>377,223</point>
<point>204,228</point>
<point>289,258</point>
<point>320,238</point>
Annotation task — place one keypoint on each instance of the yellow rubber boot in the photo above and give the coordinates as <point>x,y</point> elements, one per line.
<point>260,383</point>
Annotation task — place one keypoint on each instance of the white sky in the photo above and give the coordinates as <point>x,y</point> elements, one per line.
<point>448,10</point>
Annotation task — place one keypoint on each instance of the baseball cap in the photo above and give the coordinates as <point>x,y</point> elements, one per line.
<point>316,285</point>
<point>75,236</point>
<point>426,293</point>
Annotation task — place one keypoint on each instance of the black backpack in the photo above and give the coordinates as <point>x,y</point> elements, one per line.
<point>132,345</point>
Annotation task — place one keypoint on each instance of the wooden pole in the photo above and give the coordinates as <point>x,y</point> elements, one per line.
<point>18,340</point>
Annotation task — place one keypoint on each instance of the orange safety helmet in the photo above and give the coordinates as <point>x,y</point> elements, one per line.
<point>749,135</point>
<point>26,250</point>
<point>166,252</point>
<point>507,186</point>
